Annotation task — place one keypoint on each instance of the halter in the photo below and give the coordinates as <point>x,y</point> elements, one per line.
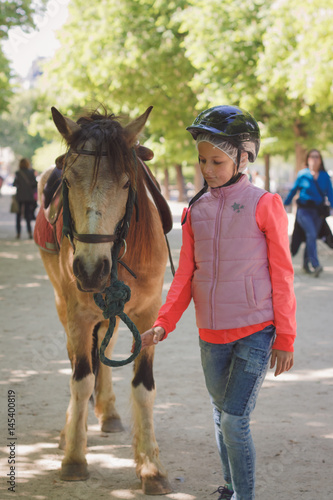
<point>122,227</point>
<point>117,294</point>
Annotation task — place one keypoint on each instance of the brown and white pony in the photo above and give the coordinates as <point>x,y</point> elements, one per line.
<point>98,186</point>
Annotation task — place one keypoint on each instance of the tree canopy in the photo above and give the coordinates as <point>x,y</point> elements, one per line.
<point>14,124</point>
<point>12,14</point>
<point>272,57</point>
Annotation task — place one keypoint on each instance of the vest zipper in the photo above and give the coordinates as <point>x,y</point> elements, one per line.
<point>215,259</point>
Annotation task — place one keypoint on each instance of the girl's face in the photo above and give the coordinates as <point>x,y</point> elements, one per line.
<point>216,167</point>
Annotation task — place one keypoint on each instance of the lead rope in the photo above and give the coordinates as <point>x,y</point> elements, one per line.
<point>116,296</point>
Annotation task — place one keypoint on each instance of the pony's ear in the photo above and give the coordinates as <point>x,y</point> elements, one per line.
<point>66,126</point>
<point>144,153</point>
<point>134,128</point>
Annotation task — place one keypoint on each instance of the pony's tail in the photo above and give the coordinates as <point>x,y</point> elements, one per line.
<point>95,357</point>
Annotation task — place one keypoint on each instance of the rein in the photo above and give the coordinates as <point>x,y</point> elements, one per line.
<point>117,294</point>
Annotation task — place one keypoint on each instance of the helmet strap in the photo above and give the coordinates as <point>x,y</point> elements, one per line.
<point>239,154</point>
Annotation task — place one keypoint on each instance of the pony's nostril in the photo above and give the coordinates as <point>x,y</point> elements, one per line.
<point>77,267</point>
<point>105,268</point>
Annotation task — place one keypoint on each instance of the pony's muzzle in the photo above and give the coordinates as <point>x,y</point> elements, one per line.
<point>91,278</point>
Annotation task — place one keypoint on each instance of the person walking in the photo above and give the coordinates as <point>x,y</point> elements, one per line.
<point>235,262</point>
<point>313,184</point>
<point>26,184</point>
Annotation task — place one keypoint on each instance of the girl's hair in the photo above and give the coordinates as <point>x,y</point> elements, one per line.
<point>322,166</point>
<point>24,163</point>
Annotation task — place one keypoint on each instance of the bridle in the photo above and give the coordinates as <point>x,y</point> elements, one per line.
<point>117,294</point>
<point>120,234</point>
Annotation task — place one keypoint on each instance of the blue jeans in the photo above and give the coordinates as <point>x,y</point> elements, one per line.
<point>234,373</point>
<point>310,221</point>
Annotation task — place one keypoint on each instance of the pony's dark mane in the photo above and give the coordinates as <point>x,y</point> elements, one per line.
<point>109,137</point>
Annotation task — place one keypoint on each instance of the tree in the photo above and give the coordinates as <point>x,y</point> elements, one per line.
<point>128,55</point>
<point>14,124</point>
<point>249,59</point>
<point>14,13</point>
<point>297,63</point>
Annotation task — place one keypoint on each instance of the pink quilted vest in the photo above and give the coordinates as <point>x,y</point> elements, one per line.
<point>231,286</point>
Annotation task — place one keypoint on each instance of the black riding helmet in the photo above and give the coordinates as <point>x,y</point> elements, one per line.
<point>233,124</point>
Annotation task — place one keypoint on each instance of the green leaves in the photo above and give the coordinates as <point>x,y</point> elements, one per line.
<point>272,57</point>
<point>13,14</point>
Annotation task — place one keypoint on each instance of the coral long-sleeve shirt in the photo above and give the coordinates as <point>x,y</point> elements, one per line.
<point>272,220</point>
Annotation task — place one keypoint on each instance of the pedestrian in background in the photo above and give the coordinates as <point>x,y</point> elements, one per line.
<point>235,263</point>
<point>314,185</point>
<point>26,184</point>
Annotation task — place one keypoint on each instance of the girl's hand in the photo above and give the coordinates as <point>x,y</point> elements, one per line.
<point>152,336</point>
<point>284,361</point>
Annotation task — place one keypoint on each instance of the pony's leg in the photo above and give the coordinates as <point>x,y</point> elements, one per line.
<point>105,409</point>
<point>74,465</point>
<point>148,467</point>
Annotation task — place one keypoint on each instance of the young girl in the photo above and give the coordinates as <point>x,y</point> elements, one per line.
<point>235,263</point>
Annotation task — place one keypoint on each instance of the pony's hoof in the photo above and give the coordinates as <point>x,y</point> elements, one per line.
<point>157,485</point>
<point>74,472</point>
<point>112,425</point>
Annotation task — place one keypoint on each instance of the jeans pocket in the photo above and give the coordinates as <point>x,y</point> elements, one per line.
<point>256,361</point>
<point>245,380</point>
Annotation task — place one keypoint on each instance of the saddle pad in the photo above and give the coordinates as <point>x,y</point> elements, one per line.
<point>45,235</point>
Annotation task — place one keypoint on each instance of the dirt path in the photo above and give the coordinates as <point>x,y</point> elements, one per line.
<point>292,424</point>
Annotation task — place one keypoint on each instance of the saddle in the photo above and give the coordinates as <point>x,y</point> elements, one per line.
<point>52,193</point>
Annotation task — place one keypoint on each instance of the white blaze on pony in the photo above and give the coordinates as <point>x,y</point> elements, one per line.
<point>98,187</point>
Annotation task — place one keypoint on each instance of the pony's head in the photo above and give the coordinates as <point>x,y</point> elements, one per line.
<point>99,171</point>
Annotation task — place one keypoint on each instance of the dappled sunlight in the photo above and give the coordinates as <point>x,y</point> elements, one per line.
<point>17,376</point>
<point>28,449</point>
<point>7,255</point>
<point>302,376</point>
<point>109,461</point>
<point>166,406</point>
<point>315,424</point>
<point>65,371</point>
<point>128,495</point>
<point>29,285</point>
<point>180,496</point>
<point>123,494</point>
<point>32,256</point>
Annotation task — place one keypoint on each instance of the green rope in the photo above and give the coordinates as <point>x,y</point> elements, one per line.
<point>116,295</point>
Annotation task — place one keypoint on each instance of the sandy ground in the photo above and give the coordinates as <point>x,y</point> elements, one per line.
<point>292,424</point>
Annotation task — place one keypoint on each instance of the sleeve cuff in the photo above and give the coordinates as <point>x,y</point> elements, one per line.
<point>284,342</point>
<point>164,326</point>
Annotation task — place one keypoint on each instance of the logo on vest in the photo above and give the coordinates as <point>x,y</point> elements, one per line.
<point>237,207</point>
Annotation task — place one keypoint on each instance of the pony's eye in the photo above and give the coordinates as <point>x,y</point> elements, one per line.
<point>127,185</point>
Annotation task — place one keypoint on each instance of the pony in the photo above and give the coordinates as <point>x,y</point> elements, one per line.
<point>99,169</point>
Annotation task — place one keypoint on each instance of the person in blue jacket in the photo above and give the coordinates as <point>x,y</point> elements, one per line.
<point>313,184</point>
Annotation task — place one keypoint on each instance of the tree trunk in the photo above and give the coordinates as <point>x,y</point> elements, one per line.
<point>300,153</point>
<point>166,189</point>
<point>267,162</point>
<point>180,183</point>
<point>198,179</point>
